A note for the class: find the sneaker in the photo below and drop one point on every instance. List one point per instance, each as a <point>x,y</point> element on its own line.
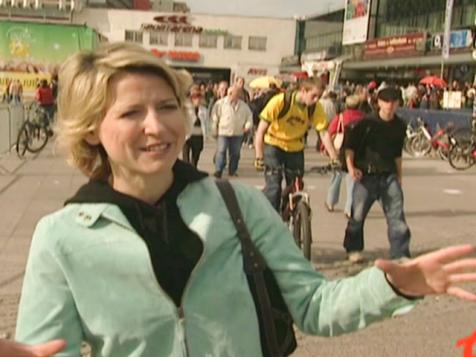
<point>355,257</point>
<point>217,174</point>
<point>233,175</point>
<point>347,215</point>
<point>328,207</point>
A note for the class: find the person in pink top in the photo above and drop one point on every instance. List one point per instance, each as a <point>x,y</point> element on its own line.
<point>350,116</point>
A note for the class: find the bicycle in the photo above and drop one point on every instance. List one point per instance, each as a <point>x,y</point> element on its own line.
<point>295,208</point>
<point>462,153</point>
<point>34,132</point>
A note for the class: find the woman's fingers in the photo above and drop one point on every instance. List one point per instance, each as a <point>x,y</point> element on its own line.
<point>461,293</point>
<point>449,254</point>
<point>460,266</point>
<point>462,278</point>
<point>49,348</point>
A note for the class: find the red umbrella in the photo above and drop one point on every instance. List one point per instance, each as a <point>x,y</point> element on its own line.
<point>434,80</point>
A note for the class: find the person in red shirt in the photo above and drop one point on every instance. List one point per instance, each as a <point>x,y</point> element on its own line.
<point>45,98</point>
<point>349,116</point>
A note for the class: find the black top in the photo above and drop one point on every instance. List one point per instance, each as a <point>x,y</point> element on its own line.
<point>376,144</point>
<point>174,249</point>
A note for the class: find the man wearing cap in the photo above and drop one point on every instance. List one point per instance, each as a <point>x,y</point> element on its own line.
<point>373,152</point>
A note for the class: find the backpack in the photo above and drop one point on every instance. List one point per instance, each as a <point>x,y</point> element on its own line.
<point>277,335</point>
<point>288,98</point>
<point>258,104</point>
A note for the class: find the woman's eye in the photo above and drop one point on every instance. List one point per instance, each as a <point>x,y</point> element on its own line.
<point>169,107</point>
<point>129,113</point>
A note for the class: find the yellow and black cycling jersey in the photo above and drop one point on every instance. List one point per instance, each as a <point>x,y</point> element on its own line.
<point>287,132</point>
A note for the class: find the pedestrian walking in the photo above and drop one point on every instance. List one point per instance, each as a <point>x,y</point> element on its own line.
<point>374,161</point>
<point>341,124</point>
<point>231,118</point>
<point>45,98</point>
<point>145,260</point>
<point>198,112</point>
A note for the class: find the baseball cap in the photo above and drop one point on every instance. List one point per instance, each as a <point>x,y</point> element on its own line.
<point>389,94</point>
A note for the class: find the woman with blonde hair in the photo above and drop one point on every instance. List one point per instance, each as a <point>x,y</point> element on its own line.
<point>144,260</point>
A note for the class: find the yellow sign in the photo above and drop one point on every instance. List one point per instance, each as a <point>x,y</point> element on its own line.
<point>28,81</point>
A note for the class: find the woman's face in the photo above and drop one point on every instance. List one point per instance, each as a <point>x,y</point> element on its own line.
<point>143,129</point>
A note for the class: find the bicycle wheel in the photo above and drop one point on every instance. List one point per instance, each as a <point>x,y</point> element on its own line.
<point>22,140</point>
<point>420,145</point>
<point>461,156</point>
<point>302,228</point>
<point>38,138</point>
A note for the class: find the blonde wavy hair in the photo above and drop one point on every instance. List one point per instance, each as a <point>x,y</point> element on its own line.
<point>84,98</point>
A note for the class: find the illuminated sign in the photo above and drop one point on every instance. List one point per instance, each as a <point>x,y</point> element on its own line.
<point>189,56</point>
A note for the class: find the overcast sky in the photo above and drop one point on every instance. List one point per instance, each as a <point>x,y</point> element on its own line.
<point>267,8</point>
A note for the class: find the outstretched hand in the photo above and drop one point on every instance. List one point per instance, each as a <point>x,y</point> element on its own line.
<point>15,349</point>
<point>437,272</point>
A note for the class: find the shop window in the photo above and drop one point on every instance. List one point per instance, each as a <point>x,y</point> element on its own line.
<point>208,40</point>
<point>257,43</point>
<point>469,15</point>
<point>158,38</point>
<point>183,39</point>
<point>133,36</point>
<point>233,42</point>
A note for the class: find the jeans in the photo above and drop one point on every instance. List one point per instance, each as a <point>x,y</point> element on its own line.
<point>232,144</point>
<point>334,190</point>
<point>274,160</point>
<point>192,149</point>
<point>387,189</point>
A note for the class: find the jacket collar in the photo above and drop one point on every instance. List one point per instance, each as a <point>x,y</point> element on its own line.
<point>98,199</point>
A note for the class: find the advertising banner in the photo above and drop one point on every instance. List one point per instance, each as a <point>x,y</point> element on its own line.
<point>445,51</point>
<point>356,21</point>
<point>457,39</point>
<point>395,46</point>
<point>31,51</point>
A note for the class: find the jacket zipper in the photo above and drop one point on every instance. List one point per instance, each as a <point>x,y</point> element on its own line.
<point>180,309</point>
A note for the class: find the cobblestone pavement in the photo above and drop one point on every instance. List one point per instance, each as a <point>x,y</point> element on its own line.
<point>440,209</point>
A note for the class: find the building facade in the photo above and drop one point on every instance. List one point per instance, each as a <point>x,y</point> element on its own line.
<point>399,40</point>
<point>211,47</point>
<point>405,38</point>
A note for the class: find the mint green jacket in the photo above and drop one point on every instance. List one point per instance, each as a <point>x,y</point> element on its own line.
<point>89,278</point>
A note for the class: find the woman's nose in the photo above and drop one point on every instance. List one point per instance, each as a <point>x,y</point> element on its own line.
<point>152,122</point>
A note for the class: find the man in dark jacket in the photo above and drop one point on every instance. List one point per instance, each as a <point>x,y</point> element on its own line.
<point>374,159</point>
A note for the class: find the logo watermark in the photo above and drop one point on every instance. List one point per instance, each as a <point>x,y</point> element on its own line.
<point>468,344</point>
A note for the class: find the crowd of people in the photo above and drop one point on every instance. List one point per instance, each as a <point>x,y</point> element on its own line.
<point>428,96</point>
<point>144,259</point>
<point>275,121</point>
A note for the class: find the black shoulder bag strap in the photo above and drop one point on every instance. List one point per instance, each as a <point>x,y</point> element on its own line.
<point>253,262</point>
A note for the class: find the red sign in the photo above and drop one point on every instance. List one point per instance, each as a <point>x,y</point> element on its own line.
<point>257,71</point>
<point>405,45</point>
<point>188,56</point>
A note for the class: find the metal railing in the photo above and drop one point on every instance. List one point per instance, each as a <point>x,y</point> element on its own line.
<point>11,118</point>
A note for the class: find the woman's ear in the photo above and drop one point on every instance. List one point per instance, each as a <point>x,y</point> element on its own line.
<point>92,138</point>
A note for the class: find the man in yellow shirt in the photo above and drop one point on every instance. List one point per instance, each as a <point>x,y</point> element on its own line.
<point>279,140</point>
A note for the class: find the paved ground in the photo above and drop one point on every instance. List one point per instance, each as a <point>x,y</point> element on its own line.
<point>440,206</point>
